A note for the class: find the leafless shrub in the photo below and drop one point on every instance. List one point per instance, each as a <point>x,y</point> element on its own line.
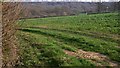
<point>10,13</point>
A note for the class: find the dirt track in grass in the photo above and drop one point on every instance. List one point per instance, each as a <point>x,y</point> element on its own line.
<point>96,58</point>
<point>103,36</point>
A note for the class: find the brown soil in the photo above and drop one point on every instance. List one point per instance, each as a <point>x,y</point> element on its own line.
<point>96,58</point>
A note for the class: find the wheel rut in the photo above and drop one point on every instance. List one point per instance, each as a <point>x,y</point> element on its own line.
<point>96,58</point>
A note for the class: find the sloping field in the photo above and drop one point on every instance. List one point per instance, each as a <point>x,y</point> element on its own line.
<point>82,40</point>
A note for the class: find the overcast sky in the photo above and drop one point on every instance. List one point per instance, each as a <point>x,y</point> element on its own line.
<point>78,0</point>
<point>64,0</point>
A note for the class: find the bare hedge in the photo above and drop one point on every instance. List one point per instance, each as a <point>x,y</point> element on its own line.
<point>10,14</point>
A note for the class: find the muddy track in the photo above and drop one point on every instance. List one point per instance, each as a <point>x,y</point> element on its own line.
<point>96,58</point>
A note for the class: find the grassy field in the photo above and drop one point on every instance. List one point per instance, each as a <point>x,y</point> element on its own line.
<point>70,40</point>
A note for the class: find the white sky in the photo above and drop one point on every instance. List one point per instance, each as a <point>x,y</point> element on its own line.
<point>62,0</point>
<point>75,0</point>
<point>78,0</point>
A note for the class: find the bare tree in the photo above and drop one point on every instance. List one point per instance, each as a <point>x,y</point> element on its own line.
<point>99,6</point>
<point>115,5</point>
<point>0,34</point>
<point>119,6</point>
<point>10,13</point>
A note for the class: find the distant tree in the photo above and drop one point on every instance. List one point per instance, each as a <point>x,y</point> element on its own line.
<point>99,6</point>
<point>115,5</point>
<point>119,6</point>
<point>84,8</point>
<point>65,10</point>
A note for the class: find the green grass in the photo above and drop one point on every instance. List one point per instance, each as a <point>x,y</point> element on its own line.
<point>43,40</point>
<point>97,22</point>
<point>46,53</point>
